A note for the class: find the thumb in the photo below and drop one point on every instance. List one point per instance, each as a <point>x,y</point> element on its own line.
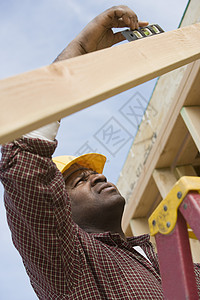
<point>118,37</point>
<point>143,23</point>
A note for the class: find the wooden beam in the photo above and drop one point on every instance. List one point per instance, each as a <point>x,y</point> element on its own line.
<point>140,226</point>
<point>191,117</point>
<point>184,90</point>
<point>165,180</point>
<point>39,97</point>
<point>187,170</point>
<point>181,151</point>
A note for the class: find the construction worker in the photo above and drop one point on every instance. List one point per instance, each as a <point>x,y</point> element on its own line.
<point>65,217</point>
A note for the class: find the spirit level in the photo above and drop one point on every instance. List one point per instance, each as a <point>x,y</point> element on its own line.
<point>132,35</point>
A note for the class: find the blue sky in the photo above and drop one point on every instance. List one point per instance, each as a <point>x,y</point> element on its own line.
<point>32,34</point>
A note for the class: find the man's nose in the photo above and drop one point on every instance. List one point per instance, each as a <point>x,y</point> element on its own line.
<point>95,178</point>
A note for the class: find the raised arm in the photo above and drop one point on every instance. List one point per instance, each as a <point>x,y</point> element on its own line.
<point>38,211</point>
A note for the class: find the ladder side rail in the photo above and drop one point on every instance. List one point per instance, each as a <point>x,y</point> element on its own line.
<point>190,209</point>
<point>175,260</point>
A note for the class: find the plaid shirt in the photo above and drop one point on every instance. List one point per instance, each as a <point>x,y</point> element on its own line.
<point>62,260</point>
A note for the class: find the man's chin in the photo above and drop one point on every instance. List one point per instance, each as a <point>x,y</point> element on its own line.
<point>116,199</point>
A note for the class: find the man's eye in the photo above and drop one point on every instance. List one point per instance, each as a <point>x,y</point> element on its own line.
<point>84,178</point>
<point>79,181</point>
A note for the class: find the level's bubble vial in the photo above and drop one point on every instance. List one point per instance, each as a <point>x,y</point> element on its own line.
<point>138,34</point>
<point>146,31</point>
<point>155,29</point>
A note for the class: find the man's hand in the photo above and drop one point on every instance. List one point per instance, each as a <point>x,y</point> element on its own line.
<point>98,33</point>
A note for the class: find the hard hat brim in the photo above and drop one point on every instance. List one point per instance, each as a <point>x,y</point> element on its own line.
<point>93,161</point>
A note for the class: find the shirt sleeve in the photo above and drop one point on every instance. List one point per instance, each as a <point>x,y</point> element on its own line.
<point>47,132</point>
<point>39,212</point>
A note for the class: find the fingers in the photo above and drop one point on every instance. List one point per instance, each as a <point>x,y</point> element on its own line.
<point>126,17</point>
<point>123,16</point>
<point>98,34</point>
<point>143,23</point>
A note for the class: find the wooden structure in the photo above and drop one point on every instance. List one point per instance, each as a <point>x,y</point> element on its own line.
<point>166,145</point>
<point>85,80</point>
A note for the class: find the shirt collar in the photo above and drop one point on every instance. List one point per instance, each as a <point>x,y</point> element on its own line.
<point>115,239</point>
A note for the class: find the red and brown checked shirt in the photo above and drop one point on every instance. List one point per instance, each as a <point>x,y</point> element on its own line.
<point>63,261</point>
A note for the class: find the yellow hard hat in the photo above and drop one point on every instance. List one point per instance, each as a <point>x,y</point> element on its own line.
<point>93,161</point>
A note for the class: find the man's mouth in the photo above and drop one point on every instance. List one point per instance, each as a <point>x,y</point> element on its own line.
<point>106,186</point>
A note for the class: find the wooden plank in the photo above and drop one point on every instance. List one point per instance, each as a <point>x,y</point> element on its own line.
<point>192,13</point>
<point>140,226</point>
<point>187,170</point>
<point>156,148</point>
<point>39,97</point>
<point>172,144</point>
<point>191,117</point>
<point>178,151</point>
<point>195,250</point>
<point>163,103</point>
<point>149,200</point>
<point>146,154</point>
<point>165,180</point>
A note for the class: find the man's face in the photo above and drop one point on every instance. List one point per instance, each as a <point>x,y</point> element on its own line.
<point>93,199</point>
